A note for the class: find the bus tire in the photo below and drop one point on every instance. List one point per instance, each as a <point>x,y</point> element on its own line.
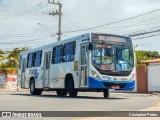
<point>106,93</point>
<point>62,92</point>
<point>33,90</point>
<point>70,88</point>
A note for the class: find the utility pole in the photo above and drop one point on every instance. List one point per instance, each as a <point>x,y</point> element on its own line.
<point>59,13</point>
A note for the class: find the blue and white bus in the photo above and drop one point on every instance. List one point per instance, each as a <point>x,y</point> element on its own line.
<point>89,62</point>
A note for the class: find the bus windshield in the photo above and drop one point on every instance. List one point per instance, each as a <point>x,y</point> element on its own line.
<point>103,56</point>
<point>124,58</point>
<point>112,57</point>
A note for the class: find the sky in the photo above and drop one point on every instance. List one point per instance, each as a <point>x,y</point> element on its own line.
<point>26,23</point>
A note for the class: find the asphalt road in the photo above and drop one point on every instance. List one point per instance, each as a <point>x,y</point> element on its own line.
<point>49,101</point>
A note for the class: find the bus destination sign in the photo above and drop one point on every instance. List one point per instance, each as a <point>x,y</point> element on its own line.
<point>110,38</point>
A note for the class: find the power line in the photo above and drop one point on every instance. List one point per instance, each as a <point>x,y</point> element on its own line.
<point>21,36</point>
<point>73,21</point>
<point>140,31</point>
<point>35,7</point>
<point>17,42</point>
<point>146,37</point>
<point>123,20</point>
<point>23,11</point>
<point>144,33</point>
<point>126,26</point>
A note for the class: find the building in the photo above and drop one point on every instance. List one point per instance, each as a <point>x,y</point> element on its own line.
<point>148,77</point>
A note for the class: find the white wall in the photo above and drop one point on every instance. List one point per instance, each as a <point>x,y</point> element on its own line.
<point>154,77</point>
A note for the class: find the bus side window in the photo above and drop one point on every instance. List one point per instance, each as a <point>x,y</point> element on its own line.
<point>87,50</point>
<point>74,49</point>
<point>37,58</point>
<point>61,54</point>
<point>69,52</point>
<point>29,60</point>
<point>57,54</point>
<point>53,55</point>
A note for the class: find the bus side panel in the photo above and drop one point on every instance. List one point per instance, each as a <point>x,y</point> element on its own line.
<point>28,76</point>
<point>38,72</point>
<point>59,72</point>
<point>38,77</point>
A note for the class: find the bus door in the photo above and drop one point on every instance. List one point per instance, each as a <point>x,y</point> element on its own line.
<point>46,69</point>
<point>84,65</point>
<point>23,77</point>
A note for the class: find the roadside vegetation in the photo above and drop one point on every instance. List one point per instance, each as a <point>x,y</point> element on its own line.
<point>145,55</point>
<point>9,60</point>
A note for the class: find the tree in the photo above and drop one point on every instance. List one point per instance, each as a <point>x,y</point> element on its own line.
<point>145,55</point>
<point>1,56</point>
<point>12,58</point>
<point>1,51</point>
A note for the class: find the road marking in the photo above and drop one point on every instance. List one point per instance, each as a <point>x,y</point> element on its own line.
<point>154,108</point>
<point>85,118</point>
<point>158,104</point>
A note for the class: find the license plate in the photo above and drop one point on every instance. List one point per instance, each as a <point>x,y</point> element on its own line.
<point>115,87</point>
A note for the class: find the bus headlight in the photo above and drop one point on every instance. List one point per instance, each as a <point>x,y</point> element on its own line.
<point>94,74</point>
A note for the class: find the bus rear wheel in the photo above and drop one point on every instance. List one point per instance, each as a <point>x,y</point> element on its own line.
<point>106,93</point>
<point>33,90</point>
<point>62,92</point>
<point>70,88</point>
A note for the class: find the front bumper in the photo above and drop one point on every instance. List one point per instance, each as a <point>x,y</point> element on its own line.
<point>102,84</point>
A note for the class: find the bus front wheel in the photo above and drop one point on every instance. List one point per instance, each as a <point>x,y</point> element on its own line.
<point>106,93</point>
<point>33,90</point>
